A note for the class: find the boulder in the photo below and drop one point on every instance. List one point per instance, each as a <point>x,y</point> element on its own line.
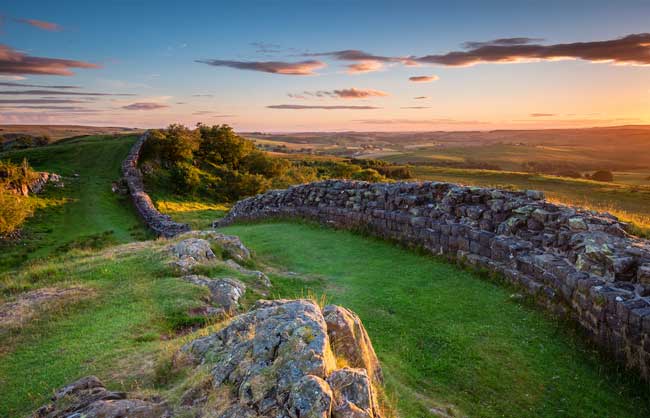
<point>277,360</point>
<point>190,253</point>
<point>224,292</point>
<point>351,341</point>
<point>231,244</point>
<point>88,398</point>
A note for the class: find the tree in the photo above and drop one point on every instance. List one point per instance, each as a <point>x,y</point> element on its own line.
<point>173,145</point>
<point>220,145</point>
<point>14,209</point>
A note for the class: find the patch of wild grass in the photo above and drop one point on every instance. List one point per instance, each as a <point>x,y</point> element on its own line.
<point>448,339</point>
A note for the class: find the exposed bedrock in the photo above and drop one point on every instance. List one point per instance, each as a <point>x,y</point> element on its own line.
<point>576,262</point>
<point>161,224</point>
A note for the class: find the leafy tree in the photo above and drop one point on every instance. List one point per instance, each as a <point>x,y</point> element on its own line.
<point>173,145</point>
<point>220,145</point>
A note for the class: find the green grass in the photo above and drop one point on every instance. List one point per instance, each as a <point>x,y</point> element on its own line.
<point>85,208</point>
<point>112,334</point>
<point>445,336</point>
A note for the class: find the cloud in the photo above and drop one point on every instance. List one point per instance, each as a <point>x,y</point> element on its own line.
<point>297,107</point>
<point>12,84</point>
<point>13,62</point>
<point>421,97</point>
<point>632,49</point>
<point>52,27</point>
<point>351,93</point>
<point>364,67</point>
<point>274,67</point>
<point>37,101</point>
<point>424,78</point>
<point>365,61</point>
<point>62,108</point>
<point>145,106</point>
<point>58,93</point>
<point>502,42</point>
<point>441,121</point>
<point>541,115</point>
<point>415,107</point>
<point>203,95</point>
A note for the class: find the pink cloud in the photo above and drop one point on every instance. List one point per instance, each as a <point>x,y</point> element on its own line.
<point>364,67</point>
<point>13,62</point>
<point>275,67</point>
<point>52,27</point>
<point>145,106</point>
<point>424,78</point>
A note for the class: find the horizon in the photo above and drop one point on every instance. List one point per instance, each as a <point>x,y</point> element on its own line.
<point>284,67</point>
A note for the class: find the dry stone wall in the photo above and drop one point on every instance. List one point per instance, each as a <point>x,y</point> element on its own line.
<point>577,263</point>
<point>161,224</point>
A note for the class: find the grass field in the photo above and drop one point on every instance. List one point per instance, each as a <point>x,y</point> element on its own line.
<point>84,212</point>
<point>447,337</point>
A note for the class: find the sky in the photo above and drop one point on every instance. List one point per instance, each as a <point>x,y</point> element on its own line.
<point>284,66</point>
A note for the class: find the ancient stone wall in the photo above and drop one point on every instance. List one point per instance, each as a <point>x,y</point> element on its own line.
<point>577,263</point>
<point>159,223</point>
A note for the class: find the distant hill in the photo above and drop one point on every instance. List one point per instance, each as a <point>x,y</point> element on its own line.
<point>56,132</point>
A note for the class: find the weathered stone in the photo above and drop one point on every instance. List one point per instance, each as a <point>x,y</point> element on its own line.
<point>190,253</point>
<point>87,397</point>
<point>351,341</point>
<point>278,359</point>
<point>225,292</point>
<point>353,394</point>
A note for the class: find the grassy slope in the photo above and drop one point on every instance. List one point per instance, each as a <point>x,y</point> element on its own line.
<point>446,336</point>
<point>84,207</point>
<point>115,334</point>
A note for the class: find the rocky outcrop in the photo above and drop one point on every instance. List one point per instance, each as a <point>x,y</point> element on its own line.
<point>231,245</point>
<point>576,262</point>
<point>161,224</point>
<point>224,293</point>
<point>191,252</point>
<point>278,360</point>
<point>87,397</point>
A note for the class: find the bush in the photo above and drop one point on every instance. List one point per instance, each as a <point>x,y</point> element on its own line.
<point>14,209</point>
<point>185,177</point>
<point>368,174</point>
<point>173,145</point>
<point>220,145</point>
<point>603,175</point>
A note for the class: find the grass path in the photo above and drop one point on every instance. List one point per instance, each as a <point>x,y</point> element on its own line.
<point>86,211</point>
<point>446,336</point>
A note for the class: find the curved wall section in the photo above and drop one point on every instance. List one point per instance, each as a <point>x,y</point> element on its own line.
<point>161,224</point>
<point>577,263</point>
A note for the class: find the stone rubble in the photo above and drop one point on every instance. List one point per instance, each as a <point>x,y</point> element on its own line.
<point>576,262</point>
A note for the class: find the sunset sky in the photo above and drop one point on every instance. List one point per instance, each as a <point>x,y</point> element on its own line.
<point>310,66</point>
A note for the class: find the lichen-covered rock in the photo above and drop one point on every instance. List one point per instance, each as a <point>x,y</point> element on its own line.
<point>88,398</point>
<point>262,278</point>
<point>351,341</point>
<point>190,253</point>
<point>230,244</point>
<point>353,394</point>
<point>224,292</point>
<point>276,360</point>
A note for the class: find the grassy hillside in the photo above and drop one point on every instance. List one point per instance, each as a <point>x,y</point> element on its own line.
<point>83,213</point>
<point>447,339</point>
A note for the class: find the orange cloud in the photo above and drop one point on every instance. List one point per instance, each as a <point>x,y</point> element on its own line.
<point>274,67</point>
<point>13,62</point>
<point>364,67</point>
<point>302,107</point>
<point>52,27</point>
<point>351,93</point>
<point>424,78</point>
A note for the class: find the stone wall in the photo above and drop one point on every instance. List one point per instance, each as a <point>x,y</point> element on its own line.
<point>161,224</point>
<point>577,263</point>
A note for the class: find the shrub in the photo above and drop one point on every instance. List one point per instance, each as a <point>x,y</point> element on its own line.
<point>220,145</point>
<point>368,174</point>
<point>603,175</point>
<point>14,209</point>
<point>185,177</point>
